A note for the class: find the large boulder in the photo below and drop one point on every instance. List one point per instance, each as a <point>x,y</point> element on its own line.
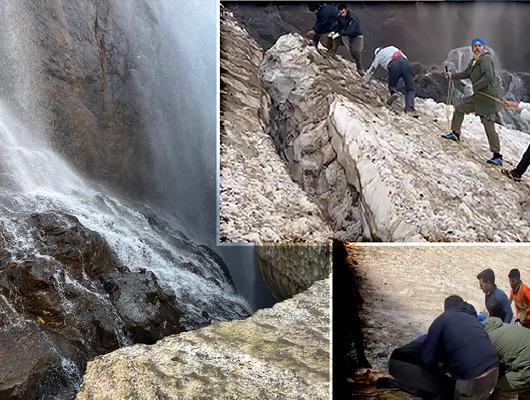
<point>64,291</point>
<point>278,353</point>
<point>259,200</point>
<point>410,184</point>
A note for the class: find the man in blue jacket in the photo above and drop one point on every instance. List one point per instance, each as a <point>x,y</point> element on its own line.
<point>349,29</point>
<point>497,302</point>
<point>327,18</point>
<point>456,358</point>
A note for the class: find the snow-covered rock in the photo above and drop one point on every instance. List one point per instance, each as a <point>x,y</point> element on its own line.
<point>258,199</point>
<point>396,173</point>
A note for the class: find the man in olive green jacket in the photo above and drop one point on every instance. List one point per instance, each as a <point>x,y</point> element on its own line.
<point>481,72</point>
<point>512,344</point>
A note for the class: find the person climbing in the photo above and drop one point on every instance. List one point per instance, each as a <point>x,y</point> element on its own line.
<point>349,29</point>
<point>396,62</point>
<point>327,16</point>
<point>455,359</point>
<point>512,345</point>
<point>517,173</point>
<point>520,295</point>
<point>483,102</point>
<point>496,301</point>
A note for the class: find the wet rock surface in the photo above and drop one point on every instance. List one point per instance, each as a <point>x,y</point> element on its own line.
<point>79,63</point>
<point>68,298</point>
<point>288,269</point>
<point>278,353</point>
<point>259,200</point>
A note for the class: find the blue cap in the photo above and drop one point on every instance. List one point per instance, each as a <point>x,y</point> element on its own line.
<point>481,317</point>
<point>478,40</point>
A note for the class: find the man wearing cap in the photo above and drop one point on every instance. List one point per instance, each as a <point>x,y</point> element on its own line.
<point>395,61</point>
<point>481,72</point>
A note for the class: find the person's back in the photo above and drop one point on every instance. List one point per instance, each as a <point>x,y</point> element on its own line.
<point>327,19</point>
<point>457,339</point>
<point>512,344</point>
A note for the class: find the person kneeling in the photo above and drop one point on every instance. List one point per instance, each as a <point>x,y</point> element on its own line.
<point>455,359</point>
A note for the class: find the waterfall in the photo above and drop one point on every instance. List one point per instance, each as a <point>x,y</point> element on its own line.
<point>33,178</point>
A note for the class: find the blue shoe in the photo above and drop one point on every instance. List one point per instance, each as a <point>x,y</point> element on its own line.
<point>451,136</point>
<point>495,161</point>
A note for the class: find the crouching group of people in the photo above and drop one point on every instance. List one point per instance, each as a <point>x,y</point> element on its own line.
<point>465,355</point>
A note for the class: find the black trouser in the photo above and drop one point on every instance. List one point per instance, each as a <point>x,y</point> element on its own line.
<point>401,68</point>
<point>405,366</point>
<point>524,163</point>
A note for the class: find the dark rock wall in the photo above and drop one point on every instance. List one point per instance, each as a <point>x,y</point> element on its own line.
<point>68,68</point>
<point>425,31</point>
<point>66,298</point>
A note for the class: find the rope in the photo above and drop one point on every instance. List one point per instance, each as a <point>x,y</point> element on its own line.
<point>492,97</point>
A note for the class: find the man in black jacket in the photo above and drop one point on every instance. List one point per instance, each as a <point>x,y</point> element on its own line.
<point>327,18</point>
<point>455,359</point>
<point>349,29</point>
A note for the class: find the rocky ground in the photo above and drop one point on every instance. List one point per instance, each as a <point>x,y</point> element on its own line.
<point>258,199</point>
<point>278,353</point>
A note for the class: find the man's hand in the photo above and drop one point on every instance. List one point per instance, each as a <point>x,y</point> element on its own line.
<point>310,34</point>
<point>447,76</point>
<point>511,104</point>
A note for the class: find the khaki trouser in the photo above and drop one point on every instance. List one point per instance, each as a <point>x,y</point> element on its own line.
<point>356,46</point>
<point>467,106</point>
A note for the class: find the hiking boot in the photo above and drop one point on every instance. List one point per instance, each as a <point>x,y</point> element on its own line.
<point>511,174</point>
<point>392,99</point>
<point>412,112</point>
<point>455,137</point>
<point>495,160</point>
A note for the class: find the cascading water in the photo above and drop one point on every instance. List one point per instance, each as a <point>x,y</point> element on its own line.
<point>34,179</point>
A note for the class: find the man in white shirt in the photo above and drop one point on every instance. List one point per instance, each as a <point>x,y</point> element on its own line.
<point>517,173</point>
<point>398,66</point>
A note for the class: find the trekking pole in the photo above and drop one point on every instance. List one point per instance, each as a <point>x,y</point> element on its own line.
<point>449,94</point>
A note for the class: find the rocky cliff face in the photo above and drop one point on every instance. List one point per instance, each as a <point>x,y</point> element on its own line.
<point>66,298</point>
<point>278,353</point>
<point>259,201</point>
<point>288,269</point>
<point>76,80</point>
